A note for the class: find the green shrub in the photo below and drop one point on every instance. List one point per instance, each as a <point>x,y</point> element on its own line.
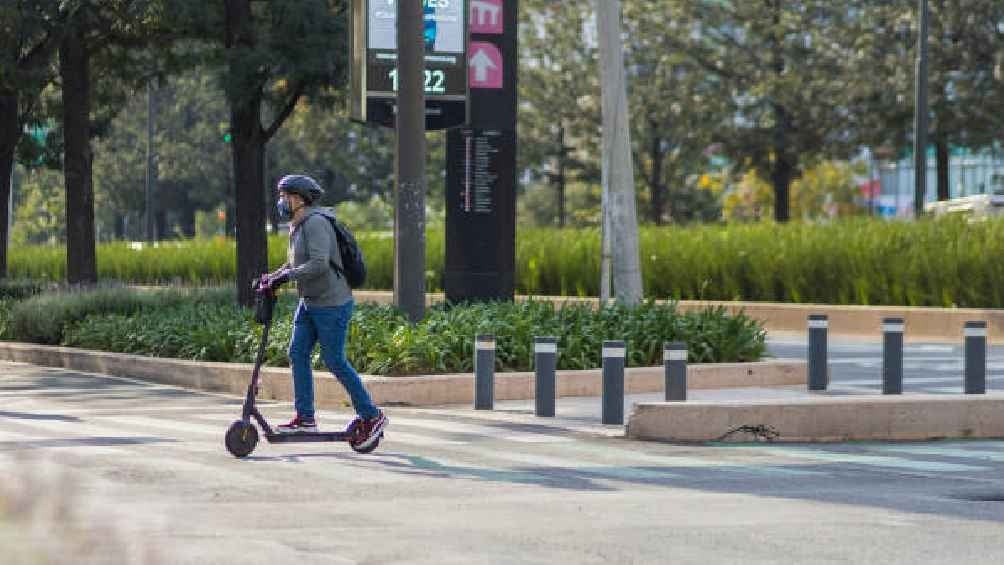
<point>19,289</point>
<point>383,342</point>
<point>45,317</point>
<point>204,332</point>
<point>946,262</point>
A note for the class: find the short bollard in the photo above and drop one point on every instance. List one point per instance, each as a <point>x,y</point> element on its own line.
<point>976,357</point>
<point>892,355</point>
<point>545,361</point>
<point>484,372</point>
<point>674,358</point>
<point>613,382</point>
<point>818,379</point>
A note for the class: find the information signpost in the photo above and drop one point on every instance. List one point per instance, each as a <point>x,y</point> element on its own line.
<point>481,164</point>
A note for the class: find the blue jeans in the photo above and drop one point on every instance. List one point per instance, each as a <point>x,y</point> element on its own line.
<point>330,326</point>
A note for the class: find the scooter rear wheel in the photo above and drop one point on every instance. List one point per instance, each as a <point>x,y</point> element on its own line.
<point>241,438</point>
<point>364,450</point>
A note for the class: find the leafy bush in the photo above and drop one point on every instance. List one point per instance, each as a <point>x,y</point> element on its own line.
<point>204,332</point>
<point>383,342</point>
<point>19,289</point>
<point>44,317</point>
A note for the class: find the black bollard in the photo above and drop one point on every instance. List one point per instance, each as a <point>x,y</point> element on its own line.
<point>674,358</point>
<point>545,360</point>
<point>818,379</point>
<point>613,382</point>
<point>484,372</point>
<point>892,355</point>
<point>975,334</point>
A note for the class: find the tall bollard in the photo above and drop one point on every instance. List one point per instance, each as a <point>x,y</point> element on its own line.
<point>674,358</point>
<point>484,372</point>
<point>818,379</point>
<point>892,355</point>
<point>545,360</point>
<point>976,357</point>
<point>613,382</point>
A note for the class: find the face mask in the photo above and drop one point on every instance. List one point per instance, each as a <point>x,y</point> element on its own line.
<point>285,213</point>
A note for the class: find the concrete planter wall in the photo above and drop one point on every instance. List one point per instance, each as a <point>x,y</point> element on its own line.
<point>418,390</point>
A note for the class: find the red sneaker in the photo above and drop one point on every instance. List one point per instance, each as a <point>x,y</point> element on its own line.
<point>297,425</point>
<point>369,430</point>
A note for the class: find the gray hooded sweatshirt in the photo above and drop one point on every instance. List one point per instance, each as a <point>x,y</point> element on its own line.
<point>313,246</point>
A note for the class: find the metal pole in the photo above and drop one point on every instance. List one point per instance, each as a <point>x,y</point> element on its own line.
<point>975,335</point>
<point>818,324</point>
<point>617,166</point>
<point>149,217</point>
<point>484,372</point>
<point>409,212</point>
<point>545,361</point>
<point>674,358</point>
<point>892,355</point>
<point>613,382</point>
<point>920,113</point>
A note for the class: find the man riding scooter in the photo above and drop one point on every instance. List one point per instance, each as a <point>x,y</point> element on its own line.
<point>324,311</point>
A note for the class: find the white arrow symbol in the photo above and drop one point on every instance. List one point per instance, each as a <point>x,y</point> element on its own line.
<point>482,63</point>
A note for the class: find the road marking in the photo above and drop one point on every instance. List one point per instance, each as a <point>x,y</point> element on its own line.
<point>945,451</point>
<point>872,460</point>
<point>393,437</point>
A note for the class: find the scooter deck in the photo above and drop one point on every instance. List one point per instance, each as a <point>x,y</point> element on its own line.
<point>307,437</point>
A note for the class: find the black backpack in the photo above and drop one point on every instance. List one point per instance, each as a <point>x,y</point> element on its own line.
<point>353,263</point>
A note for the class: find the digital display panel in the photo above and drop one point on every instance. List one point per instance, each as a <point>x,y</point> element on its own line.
<point>445,33</point>
<point>373,72</point>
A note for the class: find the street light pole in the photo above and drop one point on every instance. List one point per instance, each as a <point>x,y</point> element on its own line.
<point>409,213</point>
<point>920,114</point>
<point>151,164</point>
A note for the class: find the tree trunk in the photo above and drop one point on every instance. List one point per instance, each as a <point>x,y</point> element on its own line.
<point>120,227</point>
<point>559,178</point>
<point>941,152</point>
<point>252,243</point>
<point>655,184</point>
<point>781,176</point>
<point>74,70</point>
<point>10,133</point>
<point>186,214</point>
<point>271,192</point>
<point>783,169</point>
<point>248,157</point>
<point>160,224</point>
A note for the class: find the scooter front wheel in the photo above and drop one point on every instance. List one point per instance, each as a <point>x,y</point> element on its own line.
<point>241,438</point>
<point>368,449</point>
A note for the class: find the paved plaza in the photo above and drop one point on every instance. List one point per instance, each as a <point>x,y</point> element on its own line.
<point>147,475</point>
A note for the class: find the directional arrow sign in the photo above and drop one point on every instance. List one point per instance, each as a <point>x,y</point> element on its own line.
<point>485,65</point>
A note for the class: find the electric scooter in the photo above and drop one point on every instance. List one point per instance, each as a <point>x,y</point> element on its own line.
<point>242,436</point>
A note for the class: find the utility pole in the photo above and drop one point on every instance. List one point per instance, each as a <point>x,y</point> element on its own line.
<point>618,171</point>
<point>920,114</point>
<point>151,165</point>
<point>409,213</point>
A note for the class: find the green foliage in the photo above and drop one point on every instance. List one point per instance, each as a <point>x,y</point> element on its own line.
<point>45,318</point>
<point>19,289</point>
<point>947,262</point>
<point>40,216</point>
<point>194,325</point>
<point>198,331</point>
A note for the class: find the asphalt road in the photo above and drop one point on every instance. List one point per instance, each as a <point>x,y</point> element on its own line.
<point>105,470</point>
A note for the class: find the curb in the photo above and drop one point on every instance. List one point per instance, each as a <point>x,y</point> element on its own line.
<point>822,419</point>
<point>418,390</point>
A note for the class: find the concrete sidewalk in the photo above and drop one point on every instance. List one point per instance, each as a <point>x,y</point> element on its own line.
<point>852,408</point>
